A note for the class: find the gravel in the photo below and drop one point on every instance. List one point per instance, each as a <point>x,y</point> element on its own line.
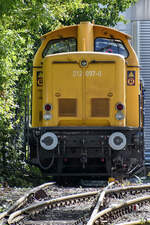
<point>68,214</point>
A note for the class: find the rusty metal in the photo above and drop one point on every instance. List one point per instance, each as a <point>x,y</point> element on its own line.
<point>96,217</point>
<point>21,201</point>
<point>141,222</point>
<point>99,203</point>
<point>20,214</point>
<point>121,209</point>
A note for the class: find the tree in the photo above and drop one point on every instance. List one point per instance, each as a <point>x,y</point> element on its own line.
<point>104,12</point>
<point>21,24</point>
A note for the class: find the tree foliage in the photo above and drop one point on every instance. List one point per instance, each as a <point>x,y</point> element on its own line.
<point>104,12</point>
<point>21,24</point>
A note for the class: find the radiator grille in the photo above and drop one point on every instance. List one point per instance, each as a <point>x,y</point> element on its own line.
<point>67,107</point>
<point>100,107</point>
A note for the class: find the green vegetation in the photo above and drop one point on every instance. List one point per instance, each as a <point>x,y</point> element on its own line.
<point>22,22</point>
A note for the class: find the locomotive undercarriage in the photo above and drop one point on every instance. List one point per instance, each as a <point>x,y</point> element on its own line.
<point>86,151</point>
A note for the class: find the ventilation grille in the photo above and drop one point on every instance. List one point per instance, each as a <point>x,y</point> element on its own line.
<point>67,107</point>
<point>100,107</point>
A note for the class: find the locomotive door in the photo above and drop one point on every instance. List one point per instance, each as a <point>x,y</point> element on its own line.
<point>67,93</point>
<point>99,92</point>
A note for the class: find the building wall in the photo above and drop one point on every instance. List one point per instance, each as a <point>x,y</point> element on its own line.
<point>144,59</point>
<point>141,11</point>
<point>139,28</point>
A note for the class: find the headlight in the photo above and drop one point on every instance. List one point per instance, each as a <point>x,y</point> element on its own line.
<point>119,116</point>
<point>84,63</point>
<point>47,116</point>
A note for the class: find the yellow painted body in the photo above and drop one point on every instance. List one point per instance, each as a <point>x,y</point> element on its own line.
<point>59,79</point>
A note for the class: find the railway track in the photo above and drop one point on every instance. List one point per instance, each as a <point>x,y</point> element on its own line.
<point>111,205</point>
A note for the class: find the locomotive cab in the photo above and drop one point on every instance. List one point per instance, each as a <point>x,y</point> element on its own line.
<point>86,103</point>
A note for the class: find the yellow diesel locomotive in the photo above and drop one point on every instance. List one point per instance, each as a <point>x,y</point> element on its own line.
<point>87,103</point>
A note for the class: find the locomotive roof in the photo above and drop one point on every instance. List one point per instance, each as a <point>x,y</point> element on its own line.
<point>111,31</point>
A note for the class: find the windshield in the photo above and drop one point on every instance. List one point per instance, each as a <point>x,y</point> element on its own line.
<point>60,45</point>
<point>110,46</point>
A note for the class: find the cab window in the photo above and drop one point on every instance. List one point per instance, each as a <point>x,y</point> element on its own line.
<point>60,45</point>
<point>110,46</point>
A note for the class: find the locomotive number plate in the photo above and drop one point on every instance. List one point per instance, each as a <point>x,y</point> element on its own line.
<point>88,73</point>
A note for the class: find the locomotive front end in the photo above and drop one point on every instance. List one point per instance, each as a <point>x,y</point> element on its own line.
<point>82,124</point>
